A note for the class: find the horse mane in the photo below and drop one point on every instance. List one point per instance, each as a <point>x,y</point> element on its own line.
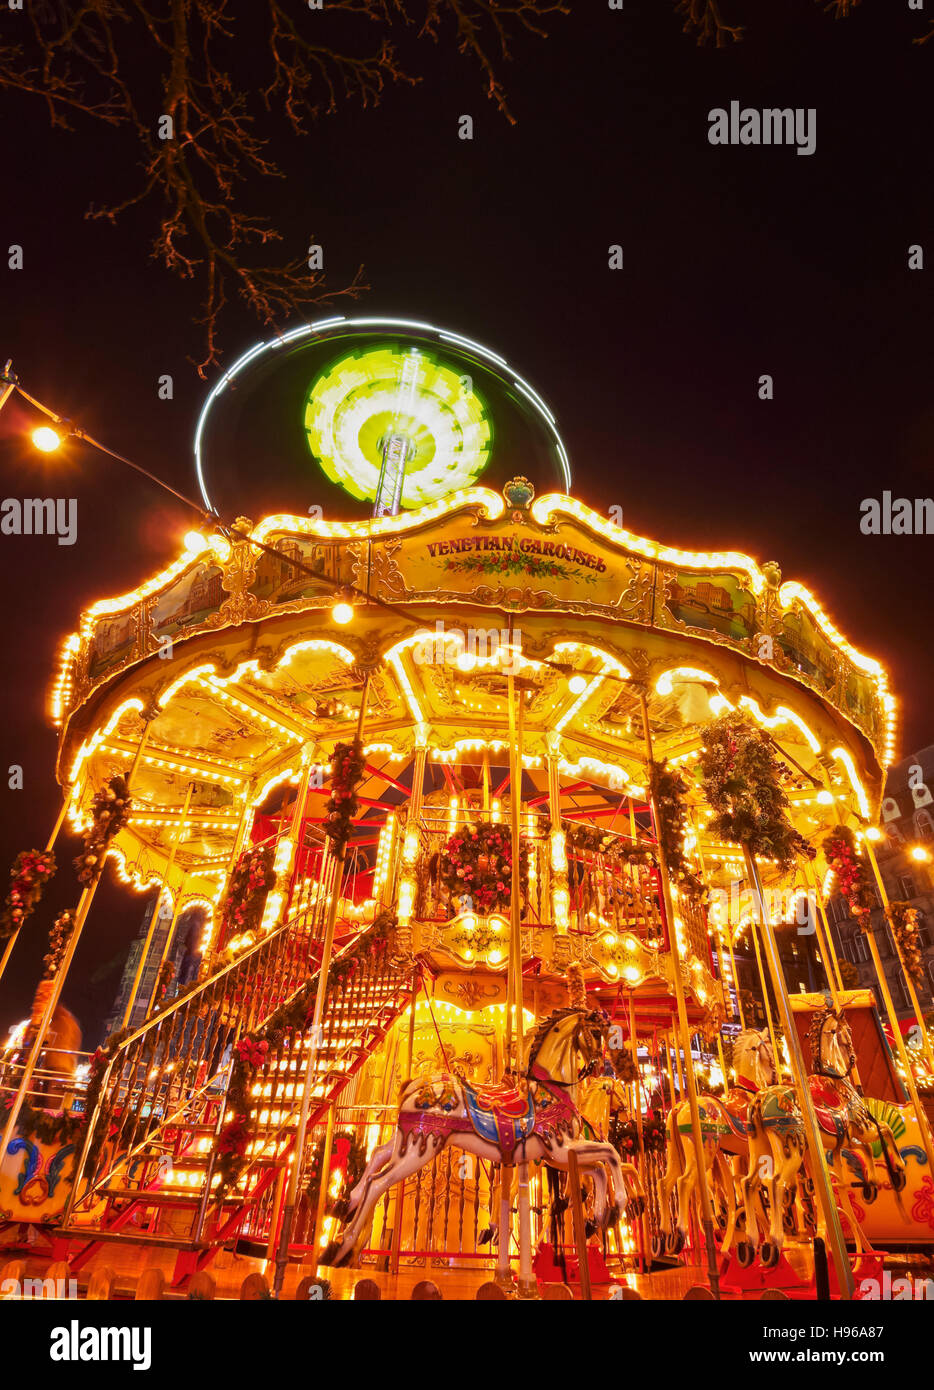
<point>543,1029</point>
<point>815,1033</point>
<point>815,1036</point>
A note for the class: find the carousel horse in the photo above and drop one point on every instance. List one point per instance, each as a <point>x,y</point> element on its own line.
<point>756,1121</point>
<point>844,1117</point>
<point>499,1124</point>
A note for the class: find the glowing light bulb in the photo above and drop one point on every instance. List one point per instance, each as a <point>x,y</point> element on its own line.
<point>577,685</point>
<point>919,853</point>
<point>46,439</point>
<point>342,612</point>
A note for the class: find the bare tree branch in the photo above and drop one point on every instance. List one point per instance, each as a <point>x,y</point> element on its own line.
<point>173,73</point>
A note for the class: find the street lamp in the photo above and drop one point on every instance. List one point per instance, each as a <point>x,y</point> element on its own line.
<point>45,439</point>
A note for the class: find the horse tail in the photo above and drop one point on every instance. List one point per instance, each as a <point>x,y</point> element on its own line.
<point>887,1159</point>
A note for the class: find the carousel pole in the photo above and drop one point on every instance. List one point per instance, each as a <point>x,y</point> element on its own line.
<point>154,920</point>
<point>909,983</point>
<point>683,1027</point>
<point>763,980</point>
<point>50,845</point>
<point>327,950</point>
<point>240,835</point>
<point>527,1285</point>
<point>825,936</point>
<point>81,913</point>
<point>739,1002</point>
<point>920,1113</point>
<point>812,1135</point>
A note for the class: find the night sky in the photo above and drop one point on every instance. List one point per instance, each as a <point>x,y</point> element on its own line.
<point>738,262</point>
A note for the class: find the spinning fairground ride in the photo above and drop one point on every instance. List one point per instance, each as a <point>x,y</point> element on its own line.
<point>475,790</point>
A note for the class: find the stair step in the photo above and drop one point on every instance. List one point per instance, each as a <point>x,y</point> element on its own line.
<point>132,1236</point>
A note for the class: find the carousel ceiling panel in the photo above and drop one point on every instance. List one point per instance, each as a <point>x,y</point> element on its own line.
<point>212,724</point>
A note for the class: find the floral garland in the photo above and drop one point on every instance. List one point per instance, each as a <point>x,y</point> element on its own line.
<point>61,1128</point>
<point>251,880</point>
<point>350,1156</point>
<point>590,839</point>
<point>669,789</point>
<point>60,934</point>
<point>852,873</point>
<point>904,920</point>
<point>476,865</point>
<point>624,1136</point>
<point>741,780</point>
<point>44,1125</point>
<point>109,811</point>
<point>347,765</point>
<point>29,875</point>
<point>165,978</point>
<point>250,1051</point>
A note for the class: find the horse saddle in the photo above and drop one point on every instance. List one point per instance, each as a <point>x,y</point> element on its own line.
<point>830,1105</point>
<point>500,1114</point>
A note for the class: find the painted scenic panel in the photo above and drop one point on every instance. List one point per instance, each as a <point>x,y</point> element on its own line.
<point>188,601</point>
<point>113,642</point>
<point>278,581</point>
<point>711,602</point>
<point>807,648</point>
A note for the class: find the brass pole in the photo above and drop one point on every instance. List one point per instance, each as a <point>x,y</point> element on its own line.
<point>154,920</point>
<point>323,1184</point>
<point>527,1285</point>
<point>81,913</point>
<point>327,950</point>
<point>50,843</point>
<point>812,1135</point>
<point>909,983</point>
<point>763,980</point>
<point>684,1029</point>
<point>514,973</point>
<point>739,1001</point>
<point>828,952</point>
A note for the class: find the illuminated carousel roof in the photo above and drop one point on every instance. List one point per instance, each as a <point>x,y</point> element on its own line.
<point>237,653</point>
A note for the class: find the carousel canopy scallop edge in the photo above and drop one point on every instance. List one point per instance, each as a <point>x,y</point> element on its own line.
<point>226,678</point>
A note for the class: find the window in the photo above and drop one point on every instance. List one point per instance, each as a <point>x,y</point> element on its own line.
<point>924,826</point>
<point>860,949</point>
<point>924,931</point>
<point>903,998</point>
<point>906,886</point>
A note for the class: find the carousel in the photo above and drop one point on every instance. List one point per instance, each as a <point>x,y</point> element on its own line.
<point>476,792</point>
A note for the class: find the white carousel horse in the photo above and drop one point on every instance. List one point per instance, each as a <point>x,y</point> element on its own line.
<point>504,1126</point>
<point>845,1118</point>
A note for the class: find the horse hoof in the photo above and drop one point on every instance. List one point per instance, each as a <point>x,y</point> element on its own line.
<point>635,1206</point>
<point>658,1247</point>
<point>676,1243</point>
<point>899,1180</point>
<point>769,1254</point>
<point>870,1191</point>
<point>329,1255</point>
<point>745,1254</point>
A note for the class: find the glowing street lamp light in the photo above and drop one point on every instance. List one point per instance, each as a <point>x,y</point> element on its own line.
<point>919,853</point>
<point>45,439</point>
